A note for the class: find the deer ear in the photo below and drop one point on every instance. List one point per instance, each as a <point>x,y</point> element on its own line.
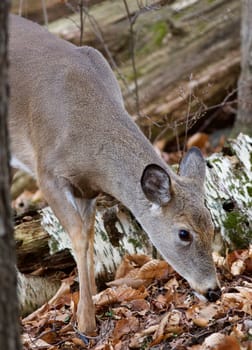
<point>193,165</point>
<point>156,184</point>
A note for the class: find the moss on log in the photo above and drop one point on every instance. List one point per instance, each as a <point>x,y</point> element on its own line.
<point>229,192</point>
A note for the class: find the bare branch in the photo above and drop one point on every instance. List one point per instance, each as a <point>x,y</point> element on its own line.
<point>132,53</point>
<point>82,21</point>
<point>44,12</point>
<point>20,9</point>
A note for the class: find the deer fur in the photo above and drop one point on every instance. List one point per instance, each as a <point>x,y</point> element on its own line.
<point>69,128</point>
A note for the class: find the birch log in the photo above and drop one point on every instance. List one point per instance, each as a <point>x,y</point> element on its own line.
<point>229,192</point>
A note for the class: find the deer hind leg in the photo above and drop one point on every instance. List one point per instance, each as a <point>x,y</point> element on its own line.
<point>77,217</point>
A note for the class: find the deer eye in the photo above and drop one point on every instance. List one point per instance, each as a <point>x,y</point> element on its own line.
<point>185,236</point>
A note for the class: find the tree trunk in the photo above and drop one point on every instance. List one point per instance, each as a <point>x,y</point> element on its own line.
<point>244,116</point>
<point>9,327</point>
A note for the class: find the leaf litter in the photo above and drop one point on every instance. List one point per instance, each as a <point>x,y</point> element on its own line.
<point>149,306</point>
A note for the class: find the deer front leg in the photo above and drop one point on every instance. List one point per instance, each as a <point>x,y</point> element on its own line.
<point>85,310</point>
<point>77,217</point>
<point>91,268</point>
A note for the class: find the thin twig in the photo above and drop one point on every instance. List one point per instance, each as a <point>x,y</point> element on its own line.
<point>20,8</point>
<point>82,21</point>
<point>187,117</point>
<point>132,53</point>
<point>99,34</point>
<point>177,136</point>
<point>44,12</point>
<point>192,118</point>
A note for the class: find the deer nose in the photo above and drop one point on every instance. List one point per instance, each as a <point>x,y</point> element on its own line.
<point>213,294</point>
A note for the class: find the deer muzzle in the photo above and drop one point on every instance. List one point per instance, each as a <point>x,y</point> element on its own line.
<point>213,294</point>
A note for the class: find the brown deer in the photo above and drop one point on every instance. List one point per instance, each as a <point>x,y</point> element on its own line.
<point>69,128</point>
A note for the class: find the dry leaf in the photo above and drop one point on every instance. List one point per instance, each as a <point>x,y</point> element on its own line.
<point>154,269</point>
<point>131,275</point>
<point>172,284</point>
<point>199,139</point>
<point>219,260</point>
<point>125,326</point>
<point>240,300</point>
<point>49,336</point>
<point>218,341</point>
<point>104,347</point>
<point>168,326</point>
<point>129,264</point>
<point>121,311</point>
<point>201,314</point>
<point>141,306</point>
<point>238,267</point>
<point>118,294</point>
<point>124,268</point>
<point>106,297</point>
<point>125,293</point>
<point>138,338</point>
<point>77,341</point>
<point>162,301</point>
<point>129,281</point>
<point>237,260</point>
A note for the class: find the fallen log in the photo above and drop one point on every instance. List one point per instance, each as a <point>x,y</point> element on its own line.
<point>187,57</point>
<point>34,291</point>
<point>42,244</point>
<point>229,193</point>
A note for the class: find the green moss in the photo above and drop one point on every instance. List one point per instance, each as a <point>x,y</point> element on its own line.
<point>159,30</point>
<point>177,15</point>
<point>154,36</point>
<point>233,219</point>
<point>130,76</point>
<point>146,343</point>
<point>238,230</point>
<point>136,243</point>
<point>109,313</point>
<point>202,26</point>
<point>54,245</point>
<point>104,236</point>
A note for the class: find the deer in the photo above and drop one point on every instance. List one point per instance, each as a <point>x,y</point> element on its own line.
<point>69,128</point>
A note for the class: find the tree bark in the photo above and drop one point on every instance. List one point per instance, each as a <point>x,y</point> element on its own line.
<point>9,327</point>
<point>229,192</point>
<point>244,115</point>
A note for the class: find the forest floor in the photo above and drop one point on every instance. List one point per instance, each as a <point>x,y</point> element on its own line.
<point>152,307</point>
